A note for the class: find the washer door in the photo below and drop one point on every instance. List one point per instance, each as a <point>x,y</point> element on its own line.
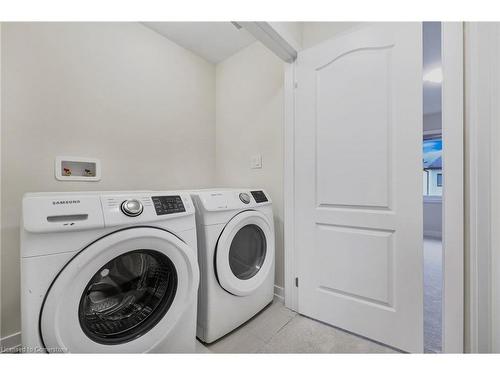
<point>245,253</point>
<point>123,293</point>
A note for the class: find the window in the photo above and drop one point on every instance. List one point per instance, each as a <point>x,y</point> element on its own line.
<point>439,179</point>
<point>432,165</point>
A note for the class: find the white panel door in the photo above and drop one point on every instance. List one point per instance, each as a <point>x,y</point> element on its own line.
<point>358,183</point>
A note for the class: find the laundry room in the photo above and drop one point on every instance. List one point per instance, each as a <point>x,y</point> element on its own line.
<point>249,187</point>
<point>152,113</point>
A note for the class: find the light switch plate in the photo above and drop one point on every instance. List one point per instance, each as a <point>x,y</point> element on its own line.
<point>256,161</point>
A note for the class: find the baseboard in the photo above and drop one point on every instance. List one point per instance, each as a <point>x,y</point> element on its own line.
<point>279,292</point>
<point>10,343</point>
<point>433,234</point>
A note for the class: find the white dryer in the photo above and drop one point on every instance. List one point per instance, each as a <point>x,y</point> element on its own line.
<point>236,258</point>
<point>110,272</point>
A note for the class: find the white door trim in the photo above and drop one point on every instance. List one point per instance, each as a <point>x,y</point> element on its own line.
<point>0,180</point>
<point>453,207</point>
<point>291,292</point>
<point>453,309</point>
<point>479,49</point>
<point>495,186</point>
<point>482,312</point>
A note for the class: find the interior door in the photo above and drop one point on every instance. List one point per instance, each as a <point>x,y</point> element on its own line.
<point>358,183</point>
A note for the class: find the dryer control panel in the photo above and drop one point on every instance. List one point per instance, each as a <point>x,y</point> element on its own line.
<point>259,196</point>
<point>224,200</point>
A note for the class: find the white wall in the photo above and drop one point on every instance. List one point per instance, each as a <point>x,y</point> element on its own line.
<point>316,32</point>
<point>116,91</point>
<point>249,102</point>
<point>302,35</point>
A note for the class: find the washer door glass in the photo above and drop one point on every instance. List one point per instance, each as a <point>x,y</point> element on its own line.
<point>247,252</point>
<point>127,296</point>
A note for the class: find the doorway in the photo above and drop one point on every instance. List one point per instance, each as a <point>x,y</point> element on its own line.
<point>432,186</point>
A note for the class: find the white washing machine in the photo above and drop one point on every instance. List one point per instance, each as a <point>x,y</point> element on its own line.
<point>110,272</point>
<point>236,258</point>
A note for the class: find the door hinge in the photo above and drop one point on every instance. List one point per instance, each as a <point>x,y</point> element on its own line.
<point>297,282</point>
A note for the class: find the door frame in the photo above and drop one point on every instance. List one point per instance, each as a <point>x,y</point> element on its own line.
<point>453,210</point>
<point>482,79</point>
<point>453,192</point>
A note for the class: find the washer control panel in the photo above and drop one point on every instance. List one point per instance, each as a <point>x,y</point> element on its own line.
<point>135,207</point>
<point>169,204</point>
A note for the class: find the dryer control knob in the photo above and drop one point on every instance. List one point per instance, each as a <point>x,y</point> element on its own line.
<point>245,198</point>
<point>132,207</point>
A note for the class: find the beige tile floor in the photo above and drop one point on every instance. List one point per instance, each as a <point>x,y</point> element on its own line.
<point>279,330</point>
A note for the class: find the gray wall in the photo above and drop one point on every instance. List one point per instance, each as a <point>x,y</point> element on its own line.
<point>115,91</point>
<point>432,121</point>
<point>433,218</point>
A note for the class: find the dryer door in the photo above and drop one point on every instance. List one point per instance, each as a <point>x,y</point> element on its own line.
<point>123,293</point>
<point>245,253</point>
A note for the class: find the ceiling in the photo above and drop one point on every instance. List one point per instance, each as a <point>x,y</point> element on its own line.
<point>214,41</point>
<point>431,60</point>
